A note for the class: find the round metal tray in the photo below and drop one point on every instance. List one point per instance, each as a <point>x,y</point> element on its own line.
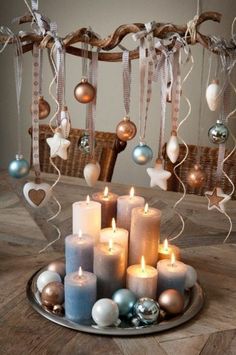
<point>194,300</point>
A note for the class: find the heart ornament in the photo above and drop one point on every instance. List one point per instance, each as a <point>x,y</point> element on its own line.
<point>37,194</point>
<point>91,173</point>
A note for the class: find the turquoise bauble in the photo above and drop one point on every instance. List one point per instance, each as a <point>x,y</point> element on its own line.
<point>125,300</point>
<point>19,167</point>
<point>218,133</point>
<point>142,154</point>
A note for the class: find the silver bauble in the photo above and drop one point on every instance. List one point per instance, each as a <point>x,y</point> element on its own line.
<point>147,310</point>
<point>84,143</point>
<point>218,133</point>
<point>142,154</point>
<point>19,167</point>
<point>125,300</point>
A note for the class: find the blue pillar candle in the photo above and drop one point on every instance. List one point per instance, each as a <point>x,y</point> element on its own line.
<point>79,252</point>
<point>80,295</point>
<point>171,274</point>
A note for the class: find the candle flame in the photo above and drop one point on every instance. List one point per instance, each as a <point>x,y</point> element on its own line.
<point>172,259</point>
<point>143,264</point>
<point>146,208</point>
<point>80,272</point>
<point>87,199</point>
<point>80,233</point>
<point>165,245</point>
<point>113,225</point>
<point>106,192</point>
<point>110,244</point>
<point>131,193</point>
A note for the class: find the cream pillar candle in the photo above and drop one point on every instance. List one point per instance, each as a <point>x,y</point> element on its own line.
<point>118,235</point>
<point>171,274</point>
<point>165,250</point>
<point>142,280</point>
<point>109,267</point>
<point>144,235</point>
<point>87,217</point>
<point>108,202</point>
<point>125,204</point>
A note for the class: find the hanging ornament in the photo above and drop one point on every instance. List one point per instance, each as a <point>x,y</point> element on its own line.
<point>172,147</point>
<point>58,145</point>
<point>65,125</point>
<point>105,312</point>
<point>213,95</point>
<point>171,301</point>
<point>125,300</point>
<point>158,175</point>
<point>218,133</point>
<point>147,310</point>
<point>142,154</point>
<point>19,167</point>
<point>91,173</point>
<point>168,92</point>
<point>217,199</point>
<point>126,129</point>
<point>84,92</point>
<point>44,108</point>
<point>83,143</point>
<point>196,177</point>
<point>37,193</point>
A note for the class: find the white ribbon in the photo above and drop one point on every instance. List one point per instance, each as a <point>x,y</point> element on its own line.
<point>126,81</point>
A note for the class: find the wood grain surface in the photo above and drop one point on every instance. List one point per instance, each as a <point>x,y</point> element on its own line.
<point>23,232</point>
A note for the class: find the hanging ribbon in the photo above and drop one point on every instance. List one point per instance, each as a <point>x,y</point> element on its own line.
<point>126,81</point>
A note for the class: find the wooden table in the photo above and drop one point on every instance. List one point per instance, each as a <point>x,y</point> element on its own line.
<point>24,231</point>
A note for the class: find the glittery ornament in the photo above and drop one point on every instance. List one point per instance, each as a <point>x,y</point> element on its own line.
<point>83,143</point>
<point>19,167</point>
<point>218,133</point>
<point>84,92</point>
<point>171,301</point>
<point>142,154</point>
<point>147,310</point>
<point>196,177</point>
<point>125,300</point>
<point>53,294</point>
<point>126,129</point>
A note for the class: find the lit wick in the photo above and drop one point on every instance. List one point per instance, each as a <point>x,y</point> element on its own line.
<point>165,245</point>
<point>146,208</point>
<point>172,260</point>
<point>113,225</point>
<point>80,272</point>
<point>143,265</point>
<point>131,193</point>
<point>110,245</point>
<point>105,193</point>
<point>87,199</point>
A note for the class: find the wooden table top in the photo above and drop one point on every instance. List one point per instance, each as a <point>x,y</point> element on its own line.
<point>24,231</point>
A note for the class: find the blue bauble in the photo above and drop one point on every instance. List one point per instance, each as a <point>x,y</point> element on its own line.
<point>142,154</point>
<point>125,300</point>
<point>19,167</point>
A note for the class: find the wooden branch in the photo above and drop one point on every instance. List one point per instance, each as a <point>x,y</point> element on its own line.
<point>161,31</point>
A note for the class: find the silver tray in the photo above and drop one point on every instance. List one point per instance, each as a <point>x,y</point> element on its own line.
<point>194,300</point>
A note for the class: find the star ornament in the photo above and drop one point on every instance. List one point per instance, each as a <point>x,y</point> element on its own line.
<point>217,199</point>
<point>159,176</point>
<point>58,145</point>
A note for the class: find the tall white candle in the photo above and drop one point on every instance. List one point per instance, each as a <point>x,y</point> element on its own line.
<point>87,217</point>
<point>125,204</point>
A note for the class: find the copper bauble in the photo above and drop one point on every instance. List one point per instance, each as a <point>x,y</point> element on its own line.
<point>44,108</point>
<point>59,267</point>
<point>196,177</point>
<point>52,294</point>
<point>84,92</point>
<point>126,130</point>
<point>171,301</point>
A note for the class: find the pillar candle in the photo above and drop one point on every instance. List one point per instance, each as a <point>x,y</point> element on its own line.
<point>118,235</point>
<point>108,202</point>
<point>109,267</point>
<point>144,235</point>
<point>79,252</point>
<point>87,217</point>
<point>80,295</point>
<point>142,280</point>
<point>125,204</point>
<point>171,274</point>
<point>165,250</point>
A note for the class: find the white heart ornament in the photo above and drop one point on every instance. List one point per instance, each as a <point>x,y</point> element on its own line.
<point>172,148</point>
<point>212,95</point>
<point>37,195</point>
<point>91,173</point>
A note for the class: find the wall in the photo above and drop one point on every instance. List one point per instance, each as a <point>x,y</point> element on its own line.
<point>104,16</point>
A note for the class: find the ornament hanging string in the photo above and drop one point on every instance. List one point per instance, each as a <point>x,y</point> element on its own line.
<point>126,82</point>
<point>200,111</point>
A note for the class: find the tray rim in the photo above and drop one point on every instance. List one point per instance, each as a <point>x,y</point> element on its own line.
<point>195,306</point>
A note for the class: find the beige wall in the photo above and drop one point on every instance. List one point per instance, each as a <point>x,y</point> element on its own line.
<point>104,16</point>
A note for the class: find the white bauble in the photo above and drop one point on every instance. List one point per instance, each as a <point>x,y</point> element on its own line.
<point>46,277</point>
<point>105,312</point>
<point>191,277</point>
<point>91,173</point>
<point>212,95</point>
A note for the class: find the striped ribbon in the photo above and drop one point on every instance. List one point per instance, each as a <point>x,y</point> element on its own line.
<point>126,81</point>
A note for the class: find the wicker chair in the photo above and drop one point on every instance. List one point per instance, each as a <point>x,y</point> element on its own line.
<point>108,146</point>
<point>208,161</point>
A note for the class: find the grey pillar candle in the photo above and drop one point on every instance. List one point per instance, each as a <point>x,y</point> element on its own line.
<point>109,267</point>
<point>144,235</point>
